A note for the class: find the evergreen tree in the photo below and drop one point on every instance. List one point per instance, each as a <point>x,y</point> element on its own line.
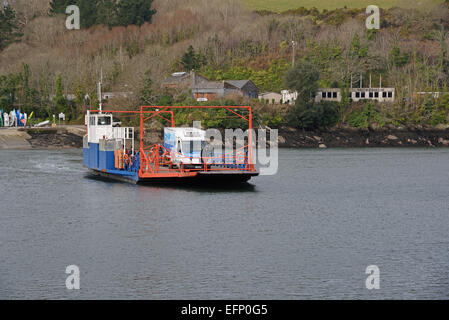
<point>88,12</point>
<point>59,6</point>
<point>303,78</point>
<point>134,12</point>
<point>59,100</point>
<point>107,13</point>
<point>146,94</point>
<point>192,60</point>
<point>9,27</point>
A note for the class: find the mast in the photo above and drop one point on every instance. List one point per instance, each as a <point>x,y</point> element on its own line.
<point>100,97</point>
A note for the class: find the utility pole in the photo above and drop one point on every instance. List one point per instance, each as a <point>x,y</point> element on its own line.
<point>294,44</point>
<point>100,98</point>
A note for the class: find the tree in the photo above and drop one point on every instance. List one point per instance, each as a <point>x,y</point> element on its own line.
<point>88,12</point>
<point>303,78</point>
<point>59,100</point>
<point>134,12</point>
<point>146,94</point>
<point>107,13</point>
<point>192,60</point>
<point>397,58</point>
<point>59,6</point>
<point>307,114</point>
<point>312,116</point>
<point>9,27</point>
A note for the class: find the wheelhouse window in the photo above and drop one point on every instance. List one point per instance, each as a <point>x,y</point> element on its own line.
<point>104,121</point>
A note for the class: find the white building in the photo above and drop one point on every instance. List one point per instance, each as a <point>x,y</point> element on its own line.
<point>330,94</point>
<point>289,97</point>
<point>271,97</point>
<point>377,94</point>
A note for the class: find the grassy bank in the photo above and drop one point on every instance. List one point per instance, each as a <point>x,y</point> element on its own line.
<point>284,5</point>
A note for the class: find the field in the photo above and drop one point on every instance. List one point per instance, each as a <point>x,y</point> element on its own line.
<point>283,5</point>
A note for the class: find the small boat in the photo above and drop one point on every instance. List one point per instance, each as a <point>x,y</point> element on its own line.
<point>185,156</point>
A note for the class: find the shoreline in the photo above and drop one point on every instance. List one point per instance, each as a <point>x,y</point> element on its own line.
<point>364,138</point>
<point>62,137</point>
<point>68,137</point>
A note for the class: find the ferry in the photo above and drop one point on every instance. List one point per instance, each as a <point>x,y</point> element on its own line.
<point>114,152</point>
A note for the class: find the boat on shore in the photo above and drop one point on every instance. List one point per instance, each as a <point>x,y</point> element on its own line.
<point>110,151</point>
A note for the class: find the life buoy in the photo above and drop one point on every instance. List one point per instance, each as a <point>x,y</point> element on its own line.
<point>128,160</point>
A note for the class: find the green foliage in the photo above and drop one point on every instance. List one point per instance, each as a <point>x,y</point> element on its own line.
<point>134,12</point>
<point>108,12</point>
<point>273,120</point>
<point>313,116</point>
<point>192,60</point>
<point>16,91</point>
<point>366,117</point>
<point>9,27</point>
<point>303,78</point>
<point>59,100</point>
<point>165,100</point>
<point>357,50</point>
<point>397,58</point>
<point>269,79</point>
<point>59,6</point>
<point>146,93</point>
<point>438,117</point>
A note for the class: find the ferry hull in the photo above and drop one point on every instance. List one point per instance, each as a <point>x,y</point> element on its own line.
<point>203,178</point>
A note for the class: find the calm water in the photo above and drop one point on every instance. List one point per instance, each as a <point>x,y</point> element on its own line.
<point>308,232</point>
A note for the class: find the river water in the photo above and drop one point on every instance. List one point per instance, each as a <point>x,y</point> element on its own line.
<point>308,232</point>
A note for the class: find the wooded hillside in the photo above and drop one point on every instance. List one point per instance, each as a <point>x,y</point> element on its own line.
<point>233,42</point>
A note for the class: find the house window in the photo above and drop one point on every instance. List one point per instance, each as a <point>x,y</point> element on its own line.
<point>323,95</point>
<point>357,94</point>
<point>384,94</point>
<point>329,95</point>
<point>362,95</point>
<point>334,95</point>
<point>376,94</point>
<point>371,95</point>
<point>390,94</point>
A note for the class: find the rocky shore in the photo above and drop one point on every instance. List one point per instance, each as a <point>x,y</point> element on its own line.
<point>71,137</point>
<point>353,138</point>
<point>42,138</point>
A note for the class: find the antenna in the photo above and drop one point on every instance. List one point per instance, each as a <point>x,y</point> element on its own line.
<point>294,44</point>
<point>100,97</point>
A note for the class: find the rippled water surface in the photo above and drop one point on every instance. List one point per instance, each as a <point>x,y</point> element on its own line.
<point>307,233</point>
